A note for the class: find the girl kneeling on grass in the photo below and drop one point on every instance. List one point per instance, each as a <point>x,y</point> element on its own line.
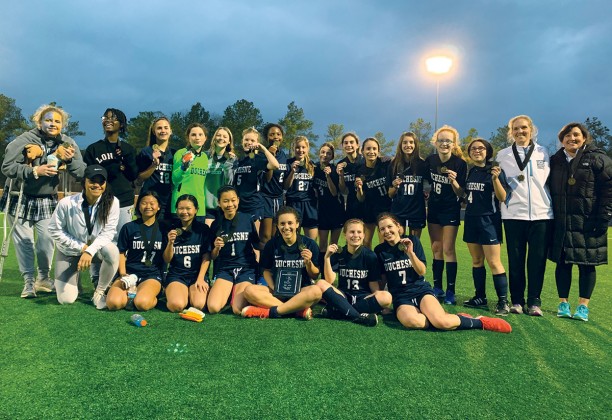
<point>140,253</point>
<point>83,227</point>
<point>188,254</point>
<point>402,263</point>
<point>288,262</point>
<point>235,266</point>
<point>358,296</point>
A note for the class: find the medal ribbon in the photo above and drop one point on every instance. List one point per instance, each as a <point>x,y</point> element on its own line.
<point>88,216</point>
<point>522,164</point>
<point>574,163</point>
<point>149,243</point>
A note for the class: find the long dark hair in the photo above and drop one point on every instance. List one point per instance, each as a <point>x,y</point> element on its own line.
<point>105,204</point>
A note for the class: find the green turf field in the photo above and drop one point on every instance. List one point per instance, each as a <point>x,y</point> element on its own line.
<point>76,362</point>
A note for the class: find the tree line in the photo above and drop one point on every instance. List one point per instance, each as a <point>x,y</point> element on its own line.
<point>242,114</point>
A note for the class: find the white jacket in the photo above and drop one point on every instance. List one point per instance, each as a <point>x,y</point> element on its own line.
<point>530,198</point>
<point>69,231</point>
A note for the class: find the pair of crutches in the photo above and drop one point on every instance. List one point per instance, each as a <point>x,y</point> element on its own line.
<point>6,235</point>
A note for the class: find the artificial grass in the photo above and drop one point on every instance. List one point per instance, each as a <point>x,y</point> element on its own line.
<point>75,362</point>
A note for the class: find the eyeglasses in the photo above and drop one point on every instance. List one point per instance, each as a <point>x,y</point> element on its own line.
<point>478,149</point>
<point>444,141</point>
<point>109,119</point>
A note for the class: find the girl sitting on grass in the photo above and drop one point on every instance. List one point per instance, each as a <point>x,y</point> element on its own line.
<point>402,263</point>
<point>140,253</point>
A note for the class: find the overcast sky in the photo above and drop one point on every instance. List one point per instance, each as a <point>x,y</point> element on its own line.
<point>358,63</point>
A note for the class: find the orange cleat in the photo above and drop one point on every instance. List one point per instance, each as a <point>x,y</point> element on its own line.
<point>495,324</point>
<point>255,312</point>
<point>305,314</point>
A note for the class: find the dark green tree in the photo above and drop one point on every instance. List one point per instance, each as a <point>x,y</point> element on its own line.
<point>294,124</point>
<point>72,130</point>
<point>181,120</point>
<point>471,135</point>
<point>423,131</point>
<point>242,114</point>
<point>12,123</point>
<point>499,138</point>
<point>138,128</point>
<point>387,148</point>
<point>600,133</point>
<point>334,136</point>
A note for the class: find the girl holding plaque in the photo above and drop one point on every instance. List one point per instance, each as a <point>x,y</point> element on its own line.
<point>371,186</point>
<point>405,184</point>
<point>289,267</point>
<point>233,253</point>
<point>300,186</point>
<point>187,251</point>
<point>485,188</point>
<point>444,209</point>
<point>581,188</point>
<point>189,168</point>
<point>155,164</point>
<point>248,173</point>
<point>526,214</point>
<point>358,296</point>
<point>402,263</point>
<point>140,257</point>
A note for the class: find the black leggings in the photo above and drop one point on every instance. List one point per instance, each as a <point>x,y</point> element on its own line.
<point>519,234</point>
<point>586,280</point>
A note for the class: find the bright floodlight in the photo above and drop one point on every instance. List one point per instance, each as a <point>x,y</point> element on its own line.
<point>438,64</point>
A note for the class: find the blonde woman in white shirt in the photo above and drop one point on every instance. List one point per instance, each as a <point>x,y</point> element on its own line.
<point>526,213</point>
<point>83,227</point>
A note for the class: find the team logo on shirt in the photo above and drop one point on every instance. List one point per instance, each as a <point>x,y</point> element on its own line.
<point>398,265</point>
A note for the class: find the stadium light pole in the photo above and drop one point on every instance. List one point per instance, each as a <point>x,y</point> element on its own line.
<point>438,65</point>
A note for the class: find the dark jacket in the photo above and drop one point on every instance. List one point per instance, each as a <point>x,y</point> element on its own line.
<point>581,211</point>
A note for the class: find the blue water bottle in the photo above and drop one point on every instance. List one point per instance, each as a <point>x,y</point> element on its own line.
<point>138,320</point>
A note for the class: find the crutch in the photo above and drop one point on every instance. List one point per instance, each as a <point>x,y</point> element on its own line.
<point>6,240</point>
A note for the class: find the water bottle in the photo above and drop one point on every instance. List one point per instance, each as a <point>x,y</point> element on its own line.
<point>138,320</point>
<point>53,160</point>
<point>131,293</point>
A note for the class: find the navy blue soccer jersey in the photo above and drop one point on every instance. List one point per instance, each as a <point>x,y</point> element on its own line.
<point>375,186</point>
<point>325,199</point>
<point>397,267</point>
<point>274,187</point>
<point>355,272</point>
<point>350,172</point>
<point>132,243</point>
<point>242,238</point>
<point>161,179</point>
<point>277,255</point>
<point>302,188</point>
<point>481,200</point>
<point>246,180</point>
<point>189,249</point>
<point>409,201</point>
<point>442,198</point>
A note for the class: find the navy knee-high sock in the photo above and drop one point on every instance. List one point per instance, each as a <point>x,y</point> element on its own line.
<point>469,323</point>
<point>500,281</point>
<point>451,276</point>
<point>437,268</point>
<point>479,274</point>
<point>340,303</point>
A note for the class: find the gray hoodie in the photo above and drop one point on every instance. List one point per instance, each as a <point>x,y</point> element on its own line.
<point>14,165</point>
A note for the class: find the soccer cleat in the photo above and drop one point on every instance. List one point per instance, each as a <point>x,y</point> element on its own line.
<point>439,293</point>
<point>369,320</point>
<point>517,309</point>
<point>495,324</point>
<point>45,285</point>
<point>477,302</point>
<point>305,314</point>
<point>330,312</point>
<point>449,299</point>
<point>29,291</point>
<point>502,308</point>
<point>563,310</point>
<point>535,310</point>
<point>255,312</point>
<point>582,313</point>
<point>99,300</point>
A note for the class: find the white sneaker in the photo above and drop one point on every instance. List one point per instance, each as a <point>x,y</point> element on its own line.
<point>99,300</point>
<point>29,290</point>
<point>44,285</point>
